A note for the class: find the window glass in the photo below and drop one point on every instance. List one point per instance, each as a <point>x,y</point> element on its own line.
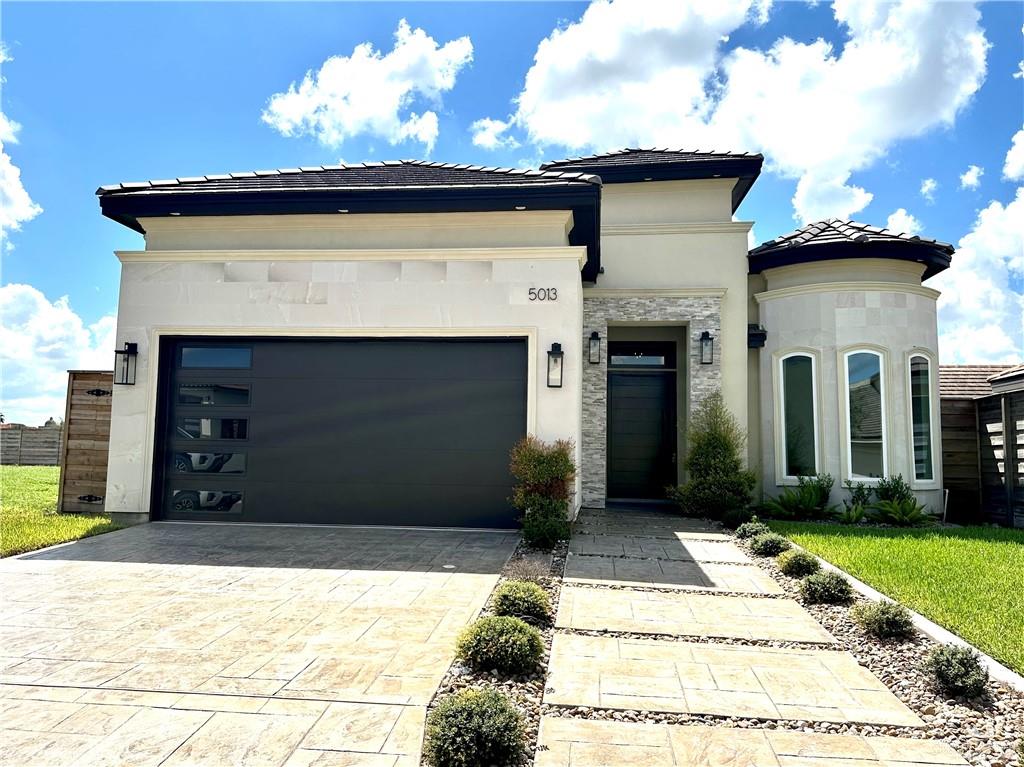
<point>865,393</point>
<point>213,394</point>
<point>800,457</point>
<point>212,428</point>
<point>207,500</point>
<point>921,410</point>
<point>216,357</point>
<point>208,463</point>
<point>638,360</point>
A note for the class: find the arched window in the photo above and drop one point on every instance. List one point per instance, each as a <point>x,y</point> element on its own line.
<point>798,398</point>
<point>865,415</point>
<point>921,416</point>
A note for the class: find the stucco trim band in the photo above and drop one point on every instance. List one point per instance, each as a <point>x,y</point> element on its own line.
<point>840,287</point>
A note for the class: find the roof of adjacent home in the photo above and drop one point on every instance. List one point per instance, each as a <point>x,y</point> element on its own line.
<point>838,239</point>
<point>972,381</point>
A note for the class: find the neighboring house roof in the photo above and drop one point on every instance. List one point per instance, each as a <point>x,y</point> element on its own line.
<point>866,410</point>
<point>838,239</point>
<point>402,186</point>
<point>969,381</point>
<point>1010,380</point>
<point>633,165</point>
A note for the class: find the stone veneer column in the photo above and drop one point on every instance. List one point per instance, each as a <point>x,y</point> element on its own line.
<point>699,313</point>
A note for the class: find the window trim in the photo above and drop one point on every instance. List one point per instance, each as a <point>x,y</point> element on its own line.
<point>934,421</point>
<point>844,393</point>
<point>781,477</point>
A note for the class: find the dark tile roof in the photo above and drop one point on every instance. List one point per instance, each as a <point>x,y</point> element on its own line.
<point>969,381</point>
<point>633,157</point>
<point>837,238</point>
<point>398,174</point>
<point>1012,372</point>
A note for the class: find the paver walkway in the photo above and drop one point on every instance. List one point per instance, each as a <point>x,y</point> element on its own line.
<point>231,644</point>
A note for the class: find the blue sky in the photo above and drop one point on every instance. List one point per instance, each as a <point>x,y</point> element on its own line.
<point>103,93</point>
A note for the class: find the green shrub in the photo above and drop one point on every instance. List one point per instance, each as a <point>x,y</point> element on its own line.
<point>522,599</point>
<point>752,528</point>
<point>472,728</point>
<point>903,513</point>
<point>957,670</point>
<point>885,620</point>
<point>893,489</point>
<point>808,500</point>
<point>501,643</point>
<point>734,518</point>
<point>542,530</point>
<point>827,587</point>
<point>768,544</point>
<point>544,472</point>
<point>852,515</point>
<point>797,564</point>
<point>860,494</point>
<point>718,483</point>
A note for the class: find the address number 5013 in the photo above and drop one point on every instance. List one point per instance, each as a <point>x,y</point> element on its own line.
<point>543,294</point>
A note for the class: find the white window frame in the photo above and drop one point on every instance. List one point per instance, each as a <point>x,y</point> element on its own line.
<point>933,421</point>
<point>781,476</point>
<point>844,388</point>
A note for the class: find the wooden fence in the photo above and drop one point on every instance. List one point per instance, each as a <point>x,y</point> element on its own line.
<point>960,462</point>
<point>1001,440</point>
<point>83,480</point>
<point>29,445</point>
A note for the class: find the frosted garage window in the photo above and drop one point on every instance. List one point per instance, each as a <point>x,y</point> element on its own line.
<point>865,415</point>
<point>799,416</point>
<point>921,412</point>
<point>216,357</point>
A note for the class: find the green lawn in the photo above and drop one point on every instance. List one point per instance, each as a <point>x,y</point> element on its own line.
<point>968,579</point>
<point>28,517</point>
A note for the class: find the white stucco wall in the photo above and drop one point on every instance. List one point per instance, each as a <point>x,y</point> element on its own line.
<point>456,274</point>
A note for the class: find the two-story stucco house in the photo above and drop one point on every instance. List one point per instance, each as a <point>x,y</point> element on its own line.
<point>362,344</point>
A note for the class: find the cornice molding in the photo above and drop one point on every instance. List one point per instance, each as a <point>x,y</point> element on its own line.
<point>654,292</point>
<point>845,287</point>
<point>697,227</point>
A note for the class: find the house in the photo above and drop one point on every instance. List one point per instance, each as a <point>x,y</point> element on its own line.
<point>363,343</point>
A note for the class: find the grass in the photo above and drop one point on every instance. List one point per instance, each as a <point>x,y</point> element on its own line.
<point>967,579</point>
<point>28,512</point>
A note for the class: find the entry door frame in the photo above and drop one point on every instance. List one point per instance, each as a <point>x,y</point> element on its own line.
<point>157,369</point>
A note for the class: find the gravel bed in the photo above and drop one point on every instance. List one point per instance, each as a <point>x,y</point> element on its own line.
<point>678,589</point>
<point>700,639</point>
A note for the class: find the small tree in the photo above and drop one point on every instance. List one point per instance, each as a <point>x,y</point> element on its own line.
<point>717,483</point>
<point>544,472</point>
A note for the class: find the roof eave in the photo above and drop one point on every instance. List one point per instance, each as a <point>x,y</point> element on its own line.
<point>936,257</point>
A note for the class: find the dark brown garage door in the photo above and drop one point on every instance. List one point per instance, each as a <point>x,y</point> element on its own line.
<point>332,431</point>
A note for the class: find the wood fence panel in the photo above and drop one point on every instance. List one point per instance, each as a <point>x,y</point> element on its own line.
<point>960,470</point>
<point>29,445</point>
<point>83,483</point>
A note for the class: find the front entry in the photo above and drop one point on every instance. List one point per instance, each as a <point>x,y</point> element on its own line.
<point>641,419</point>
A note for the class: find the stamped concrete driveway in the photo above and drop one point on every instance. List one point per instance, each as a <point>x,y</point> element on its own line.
<point>176,644</point>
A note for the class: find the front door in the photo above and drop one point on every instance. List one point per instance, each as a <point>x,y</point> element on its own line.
<point>641,419</point>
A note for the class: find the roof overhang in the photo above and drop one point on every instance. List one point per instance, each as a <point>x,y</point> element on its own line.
<point>935,257</point>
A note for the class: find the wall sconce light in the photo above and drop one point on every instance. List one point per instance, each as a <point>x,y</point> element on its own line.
<point>555,358</point>
<point>595,348</point>
<point>707,348</point>
<point>124,364</point>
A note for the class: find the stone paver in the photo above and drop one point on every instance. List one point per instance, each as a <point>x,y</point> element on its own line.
<point>646,524</point>
<point>580,743</point>
<point>687,614</point>
<point>668,573</point>
<point>725,680</point>
<point>681,548</point>
<point>209,644</point>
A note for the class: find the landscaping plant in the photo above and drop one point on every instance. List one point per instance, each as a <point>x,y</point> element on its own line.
<point>474,727</point>
<point>752,528</point>
<point>828,588</point>
<point>768,544</point>
<point>718,483</point>
<point>501,643</point>
<point>528,569</point>
<point>797,564</point>
<point>885,620</point>
<point>544,472</point>
<point>852,515</point>
<point>734,518</point>
<point>855,509</point>
<point>903,513</point>
<point>957,670</point>
<point>522,600</point>
<point>893,489</point>
<point>808,500</point>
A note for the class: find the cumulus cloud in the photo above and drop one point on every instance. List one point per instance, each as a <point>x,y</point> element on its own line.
<point>902,222</point>
<point>655,73</point>
<point>492,134</point>
<point>1013,167</point>
<point>41,339</point>
<point>928,187</point>
<point>971,178</point>
<point>981,310</point>
<point>16,205</point>
<point>373,93</point>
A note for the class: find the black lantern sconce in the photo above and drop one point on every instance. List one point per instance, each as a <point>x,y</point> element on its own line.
<point>555,358</point>
<point>707,348</point>
<point>595,348</point>
<point>124,364</point>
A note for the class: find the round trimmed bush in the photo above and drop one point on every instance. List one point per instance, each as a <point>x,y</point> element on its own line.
<point>752,529</point>
<point>474,727</point>
<point>522,599</point>
<point>768,544</point>
<point>797,564</point>
<point>734,518</point>
<point>885,620</point>
<point>826,588</point>
<point>501,643</point>
<point>957,670</point>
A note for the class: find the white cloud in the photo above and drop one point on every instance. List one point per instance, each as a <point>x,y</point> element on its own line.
<point>373,93</point>
<point>491,134</point>
<point>1020,64</point>
<point>645,72</point>
<point>981,310</point>
<point>16,206</point>
<point>1013,168</point>
<point>928,187</point>
<point>41,340</point>
<point>902,222</point>
<point>971,178</point>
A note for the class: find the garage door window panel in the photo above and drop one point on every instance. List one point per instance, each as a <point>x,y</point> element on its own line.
<point>212,428</point>
<point>210,394</point>
<point>216,357</point>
